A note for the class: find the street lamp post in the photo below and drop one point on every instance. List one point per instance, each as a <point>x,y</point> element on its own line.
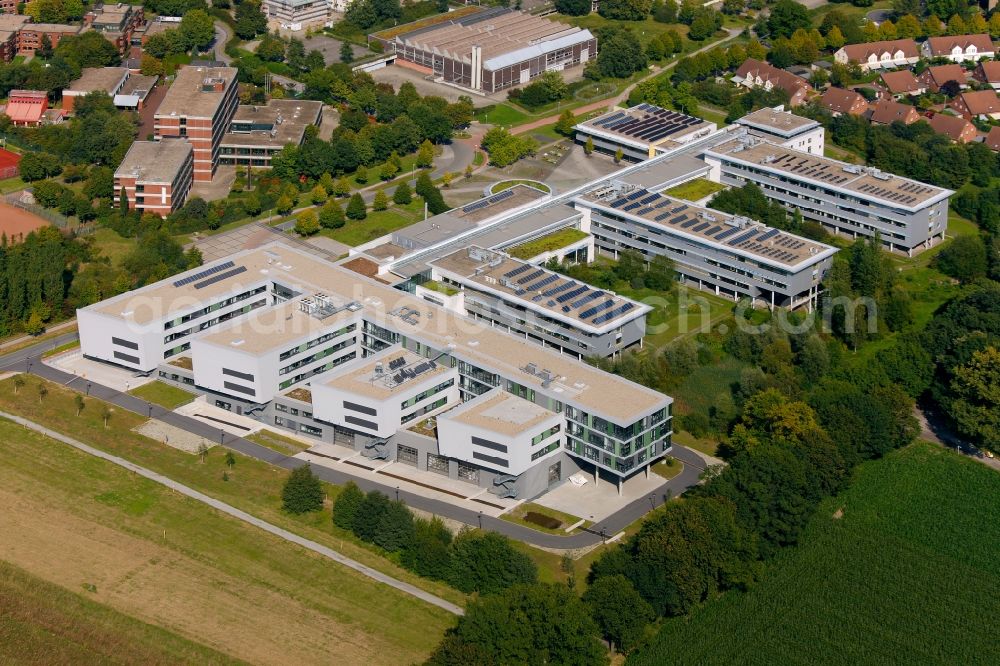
<point>397,493</point>
<point>480,520</point>
<point>149,407</point>
<point>88,388</point>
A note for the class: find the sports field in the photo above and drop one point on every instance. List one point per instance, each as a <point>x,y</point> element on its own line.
<point>16,222</point>
<point>899,569</point>
<point>147,554</point>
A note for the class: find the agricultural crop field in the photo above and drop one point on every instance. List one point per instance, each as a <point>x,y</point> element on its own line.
<point>900,568</point>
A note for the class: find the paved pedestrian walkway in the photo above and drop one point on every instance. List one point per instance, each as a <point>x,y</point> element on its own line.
<point>244,516</point>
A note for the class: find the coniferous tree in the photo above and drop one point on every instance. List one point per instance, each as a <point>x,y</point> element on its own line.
<point>303,491</point>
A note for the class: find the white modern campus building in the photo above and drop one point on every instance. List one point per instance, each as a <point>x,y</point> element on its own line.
<point>434,346</point>
<point>281,335</point>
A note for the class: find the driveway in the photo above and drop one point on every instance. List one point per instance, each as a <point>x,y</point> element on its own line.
<point>222,35</point>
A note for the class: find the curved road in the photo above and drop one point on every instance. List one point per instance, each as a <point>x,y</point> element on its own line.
<point>244,516</point>
<point>29,360</point>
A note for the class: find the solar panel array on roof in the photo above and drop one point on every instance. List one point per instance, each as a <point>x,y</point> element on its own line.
<point>713,231</point>
<point>727,233</point>
<point>685,225</point>
<point>220,277</point>
<point>538,285</point>
<point>608,316</point>
<point>647,122</point>
<point>517,271</point>
<point>635,195</point>
<point>203,274</point>
<point>496,198</point>
<point>742,238</point>
<point>586,299</point>
<point>555,290</point>
<point>590,312</point>
<point>632,206</point>
<point>531,278</point>
<point>571,294</point>
<point>649,199</point>
<point>767,236</point>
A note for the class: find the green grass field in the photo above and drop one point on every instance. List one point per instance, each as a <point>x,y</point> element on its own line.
<point>554,241</point>
<point>502,114</point>
<point>683,312</point>
<point>378,223</point>
<point>162,394</point>
<point>906,574</point>
<point>171,561</point>
<point>696,189</point>
<point>44,623</point>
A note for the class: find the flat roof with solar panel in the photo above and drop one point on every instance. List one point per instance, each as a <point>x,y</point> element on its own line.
<point>546,292</point>
<point>645,124</point>
<point>731,233</point>
<point>863,182</point>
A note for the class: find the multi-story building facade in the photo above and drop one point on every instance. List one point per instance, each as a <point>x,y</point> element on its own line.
<point>539,304</point>
<point>31,35</point>
<point>155,176</point>
<point>297,12</point>
<point>907,215</point>
<point>491,49</point>
<point>787,129</point>
<point>199,107</point>
<point>730,255</point>
<point>258,132</point>
<point>283,336</point>
<point>641,132</point>
<point>117,23</point>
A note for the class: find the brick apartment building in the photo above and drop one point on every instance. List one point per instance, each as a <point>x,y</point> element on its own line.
<point>30,36</point>
<point>155,176</point>
<point>199,107</point>
<point>117,23</point>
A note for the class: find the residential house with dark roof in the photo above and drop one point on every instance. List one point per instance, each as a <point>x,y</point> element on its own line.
<point>879,55</point>
<point>937,76</point>
<point>959,48</point>
<point>981,104</point>
<point>756,74</point>
<point>839,101</point>
<point>957,129</point>
<point>886,112</point>
<point>988,71</point>
<point>903,82</point>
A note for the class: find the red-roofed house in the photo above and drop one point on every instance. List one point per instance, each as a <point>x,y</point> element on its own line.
<point>26,107</point>
<point>993,139</point>
<point>876,55</point>
<point>956,129</point>
<point>988,71</point>
<point>886,112</point>
<point>959,48</point>
<point>935,77</point>
<point>902,83</point>
<point>839,100</point>
<point>756,74</point>
<point>981,104</point>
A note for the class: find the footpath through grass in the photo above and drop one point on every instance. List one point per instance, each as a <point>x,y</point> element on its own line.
<point>899,569</point>
<point>169,560</point>
<point>252,485</point>
<point>43,623</point>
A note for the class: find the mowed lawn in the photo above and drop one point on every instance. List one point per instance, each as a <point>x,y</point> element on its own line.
<point>128,543</point>
<point>906,575</point>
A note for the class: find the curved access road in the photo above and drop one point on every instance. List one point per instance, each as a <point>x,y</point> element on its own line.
<point>29,360</point>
